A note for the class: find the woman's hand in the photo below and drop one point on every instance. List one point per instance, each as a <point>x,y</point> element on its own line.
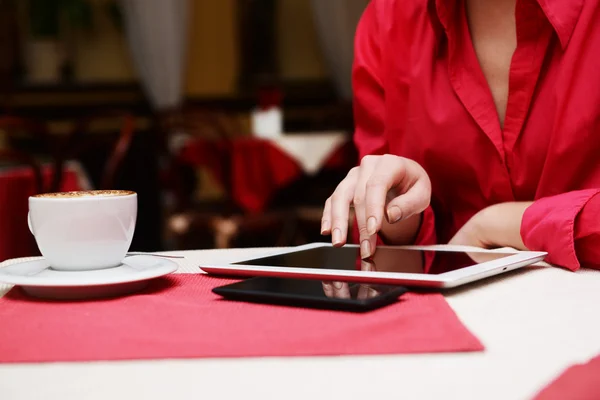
<point>384,190</point>
<point>495,226</point>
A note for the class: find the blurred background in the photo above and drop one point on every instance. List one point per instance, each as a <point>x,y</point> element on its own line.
<point>231,119</point>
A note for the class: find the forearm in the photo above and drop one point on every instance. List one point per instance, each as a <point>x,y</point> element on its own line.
<point>495,226</point>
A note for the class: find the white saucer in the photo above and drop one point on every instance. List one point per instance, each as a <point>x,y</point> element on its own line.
<point>38,279</point>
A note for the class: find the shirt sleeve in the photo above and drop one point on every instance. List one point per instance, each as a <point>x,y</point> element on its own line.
<point>567,227</point>
<point>369,105</point>
<point>367,84</point>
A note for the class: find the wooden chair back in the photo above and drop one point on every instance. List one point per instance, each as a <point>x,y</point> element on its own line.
<point>78,140</point>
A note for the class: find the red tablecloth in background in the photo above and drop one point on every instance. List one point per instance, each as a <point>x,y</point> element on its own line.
<point>252,169</point>
<point>16,185</point>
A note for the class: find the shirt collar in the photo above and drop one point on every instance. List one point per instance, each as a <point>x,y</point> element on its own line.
<point>562,15</point>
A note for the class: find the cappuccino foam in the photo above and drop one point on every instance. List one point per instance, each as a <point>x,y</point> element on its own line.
<point>85,193</point>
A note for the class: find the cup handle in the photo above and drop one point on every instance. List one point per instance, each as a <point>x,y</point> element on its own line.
<point>29,224</point>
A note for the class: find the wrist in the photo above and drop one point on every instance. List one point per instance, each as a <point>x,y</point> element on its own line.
<point>499,225</point>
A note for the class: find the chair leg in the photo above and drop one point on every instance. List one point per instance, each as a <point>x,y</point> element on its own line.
<point>225,230</point>
<point>289,231</point>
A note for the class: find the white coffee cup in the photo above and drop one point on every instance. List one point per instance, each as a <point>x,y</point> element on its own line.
<point>79,231</point>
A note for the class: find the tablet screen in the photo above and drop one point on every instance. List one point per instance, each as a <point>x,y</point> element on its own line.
<point>386,259</point>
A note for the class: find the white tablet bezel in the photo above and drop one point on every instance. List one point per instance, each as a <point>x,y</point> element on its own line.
<point>446,280</point>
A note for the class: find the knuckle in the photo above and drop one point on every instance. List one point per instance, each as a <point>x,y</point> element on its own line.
<point>390,158</point>
<point>334,199</point>
<point>368,160</point>
<point>400,163</point>
<point>340,223</point>
<point>338,213</point>
<point>339,199</point>
<point>358,200</point>
<point>346,183</point>
<point>423,199</point>
<point>376,182</point>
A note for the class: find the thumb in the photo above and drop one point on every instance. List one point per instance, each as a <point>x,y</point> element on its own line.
<point>414,201</point>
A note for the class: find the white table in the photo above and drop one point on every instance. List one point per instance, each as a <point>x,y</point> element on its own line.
<point>310,150</point>
<point>534,323</point>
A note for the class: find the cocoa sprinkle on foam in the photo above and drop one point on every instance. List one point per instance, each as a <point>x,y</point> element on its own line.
<point>88,193</point>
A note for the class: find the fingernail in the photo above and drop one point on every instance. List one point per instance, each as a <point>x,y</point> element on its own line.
<point>337,236</point>
<point>365,249</point>
<point>372,226</point>
<point>337,285</point>
<point>394,214</point>
<point>325,227</point>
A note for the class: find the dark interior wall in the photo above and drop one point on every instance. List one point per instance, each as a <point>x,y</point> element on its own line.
<point>140,173</point>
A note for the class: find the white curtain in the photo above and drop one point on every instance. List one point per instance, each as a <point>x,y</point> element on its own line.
<point>336,22</point>
<point>157,36</point>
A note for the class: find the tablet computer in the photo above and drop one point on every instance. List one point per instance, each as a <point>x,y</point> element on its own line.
<point>424,266</point>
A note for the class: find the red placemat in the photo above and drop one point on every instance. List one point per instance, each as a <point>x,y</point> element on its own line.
<point>179,317</point>
<point>580,382</point>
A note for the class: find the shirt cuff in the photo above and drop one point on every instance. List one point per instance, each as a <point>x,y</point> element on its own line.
<point>549,225</point>
<point>426,235</point>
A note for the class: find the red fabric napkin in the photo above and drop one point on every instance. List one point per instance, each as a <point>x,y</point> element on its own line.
<point>254,168</point>
<point>179,317</point>
<point>16,185</point>
<point>210,154</point>
<point>579,382</point>
<point>259,170</point>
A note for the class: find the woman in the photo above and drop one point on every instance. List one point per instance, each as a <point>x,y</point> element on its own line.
<point>478,123</point>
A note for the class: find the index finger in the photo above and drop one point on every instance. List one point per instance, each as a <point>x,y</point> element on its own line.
<point>388,173</point>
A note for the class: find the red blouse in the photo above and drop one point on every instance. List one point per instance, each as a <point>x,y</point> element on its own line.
<point>420,93</point>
